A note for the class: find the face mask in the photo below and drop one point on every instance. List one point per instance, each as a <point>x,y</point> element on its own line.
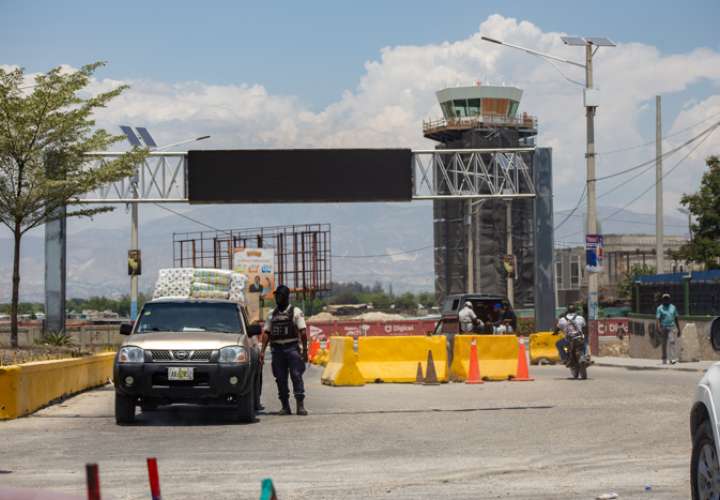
<point>282,299</point>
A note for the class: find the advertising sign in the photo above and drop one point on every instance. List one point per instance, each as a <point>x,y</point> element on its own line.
<point>258,264</point>
<point>509,264</point>
<point>134,263</point>
<point>594,253</point>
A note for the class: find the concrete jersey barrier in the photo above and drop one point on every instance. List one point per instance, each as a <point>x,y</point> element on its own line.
<point>497,356</point>
<point>27,387</point>
<point>542,346</point>
<point>341,368</point>
<point>395,359</point>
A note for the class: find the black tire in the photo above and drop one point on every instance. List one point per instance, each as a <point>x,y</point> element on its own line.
<point>124,409</point>
<point>704,458</point>
<point>574,371</point>
<point>583,371</point>
<point>246,407</point>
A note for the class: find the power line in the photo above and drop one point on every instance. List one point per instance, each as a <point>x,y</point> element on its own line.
<point>663,177</point>
<point>653,160</point>
<point>650,143</point>
<point>180,214</point>
<point>577,205</point>
<point>402,252</point>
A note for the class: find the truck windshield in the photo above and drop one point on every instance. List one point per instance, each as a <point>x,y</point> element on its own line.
<point>189,317</point>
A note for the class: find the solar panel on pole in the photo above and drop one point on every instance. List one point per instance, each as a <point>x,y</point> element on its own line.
<point>573,40</point>
<point>131,137</point>
<point>600,41</point>
<point>146,137</point>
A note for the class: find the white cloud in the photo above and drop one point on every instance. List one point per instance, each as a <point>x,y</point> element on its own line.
<point>396,93</point>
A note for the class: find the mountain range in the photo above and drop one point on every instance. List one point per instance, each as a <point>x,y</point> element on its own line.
<point>97,255</point>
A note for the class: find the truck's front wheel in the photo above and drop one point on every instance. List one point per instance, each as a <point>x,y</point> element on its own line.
<point>246,407</point>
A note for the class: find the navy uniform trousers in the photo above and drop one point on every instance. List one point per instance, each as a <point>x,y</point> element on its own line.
<point>287,360</point>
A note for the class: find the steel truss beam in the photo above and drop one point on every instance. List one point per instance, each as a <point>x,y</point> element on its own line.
<point>472,173</point>
<point>437,174</point>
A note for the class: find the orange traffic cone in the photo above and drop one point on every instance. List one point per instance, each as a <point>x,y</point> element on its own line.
<point>474,370</point>
<point>419,378</point>
<point>430,373</point>
<point>523,374</point>
<point>314,348</point>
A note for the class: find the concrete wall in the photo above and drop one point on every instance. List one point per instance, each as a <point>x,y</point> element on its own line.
<point>85,336</point>
<point>694,343</point>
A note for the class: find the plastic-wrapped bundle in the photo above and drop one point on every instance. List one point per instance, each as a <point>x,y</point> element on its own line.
<point>237,287</point>
<point>205,287</point>
<point>209,294</point>
<point>219,277</point>
<point>173,282</point>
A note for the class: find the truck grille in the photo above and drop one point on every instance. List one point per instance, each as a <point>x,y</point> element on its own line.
<point>175,356</point>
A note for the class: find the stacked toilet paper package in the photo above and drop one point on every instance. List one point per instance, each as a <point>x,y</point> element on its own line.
<point>186,283</point>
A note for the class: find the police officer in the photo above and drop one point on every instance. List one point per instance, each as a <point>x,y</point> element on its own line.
<point>285,331</point>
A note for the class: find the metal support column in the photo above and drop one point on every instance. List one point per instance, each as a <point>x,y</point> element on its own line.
<point>544,282</point>
<point>55,272</point>
<point>509,251</point>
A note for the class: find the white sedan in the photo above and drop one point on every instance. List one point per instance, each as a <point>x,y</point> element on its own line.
<point>704,465</point>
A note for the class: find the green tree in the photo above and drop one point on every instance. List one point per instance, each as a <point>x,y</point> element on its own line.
<point>626,285</point>
<point>45,132</point>
<point>704,246</point>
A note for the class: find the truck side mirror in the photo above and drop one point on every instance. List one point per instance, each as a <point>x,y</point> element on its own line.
<point>254,330</point>
<point>126,328</point>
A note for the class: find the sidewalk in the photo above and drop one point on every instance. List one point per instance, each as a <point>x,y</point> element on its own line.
<point>651,364</point>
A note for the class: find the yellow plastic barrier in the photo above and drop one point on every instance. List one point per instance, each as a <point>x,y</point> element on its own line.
<point>395,359</point>
<point>341,368</point>
<point>497,356</point>
<point>542,346</point>
<point>30,386</point>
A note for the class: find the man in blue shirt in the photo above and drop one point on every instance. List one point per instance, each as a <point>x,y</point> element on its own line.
<point>669,328</point>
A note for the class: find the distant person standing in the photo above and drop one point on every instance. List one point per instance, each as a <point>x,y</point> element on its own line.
<point>669,327</point>
<point>468,319</point>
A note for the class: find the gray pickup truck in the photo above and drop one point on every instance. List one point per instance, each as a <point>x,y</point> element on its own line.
<point>188,351</point>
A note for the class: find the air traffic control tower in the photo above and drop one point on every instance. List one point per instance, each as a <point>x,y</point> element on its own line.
<point>470,236</point>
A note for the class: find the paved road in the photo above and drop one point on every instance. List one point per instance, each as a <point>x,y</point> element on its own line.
<point>549,439</point>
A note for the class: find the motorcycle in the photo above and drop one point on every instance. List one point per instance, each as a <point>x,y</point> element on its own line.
<point>577,359</point>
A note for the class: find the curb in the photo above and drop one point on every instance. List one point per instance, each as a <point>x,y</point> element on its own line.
<point>606,364</point>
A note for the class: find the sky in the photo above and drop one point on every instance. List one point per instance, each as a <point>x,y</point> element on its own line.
<point>363,74</point>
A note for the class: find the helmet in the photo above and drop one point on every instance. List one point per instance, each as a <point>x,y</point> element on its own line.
<point>468,304</point>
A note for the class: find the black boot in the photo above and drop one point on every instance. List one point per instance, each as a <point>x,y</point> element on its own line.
<point>301,407</point>
<point>285,408</point>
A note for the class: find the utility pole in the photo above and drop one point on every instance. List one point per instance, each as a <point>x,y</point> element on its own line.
<point>134,246</point>
<point>509,252</point>
<point>590,164</point>
<point>469,247</point>
<point>659,230</point>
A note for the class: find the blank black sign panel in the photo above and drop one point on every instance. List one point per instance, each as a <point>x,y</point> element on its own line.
<point>299,175</point>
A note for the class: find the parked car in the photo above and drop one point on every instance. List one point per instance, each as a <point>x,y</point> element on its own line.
<point>704,465</point>
<point>484,305</point>
<point>187,351</point>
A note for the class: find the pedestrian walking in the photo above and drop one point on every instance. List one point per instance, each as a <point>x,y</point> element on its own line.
<point>286,332</point>
<point>669,327</point>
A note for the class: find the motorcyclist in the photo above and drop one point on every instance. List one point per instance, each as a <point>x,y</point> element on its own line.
<point>571,323</point>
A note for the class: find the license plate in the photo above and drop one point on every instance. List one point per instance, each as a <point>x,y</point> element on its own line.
<point>180,373</point>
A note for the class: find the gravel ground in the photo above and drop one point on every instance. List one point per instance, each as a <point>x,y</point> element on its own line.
<point>553,438</point>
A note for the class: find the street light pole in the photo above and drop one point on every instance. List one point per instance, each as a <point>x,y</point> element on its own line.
<point>590,167</point>
<point>591,44</point>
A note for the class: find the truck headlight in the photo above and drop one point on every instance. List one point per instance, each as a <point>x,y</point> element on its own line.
<point>131,354</point>
<point>233,354</point>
